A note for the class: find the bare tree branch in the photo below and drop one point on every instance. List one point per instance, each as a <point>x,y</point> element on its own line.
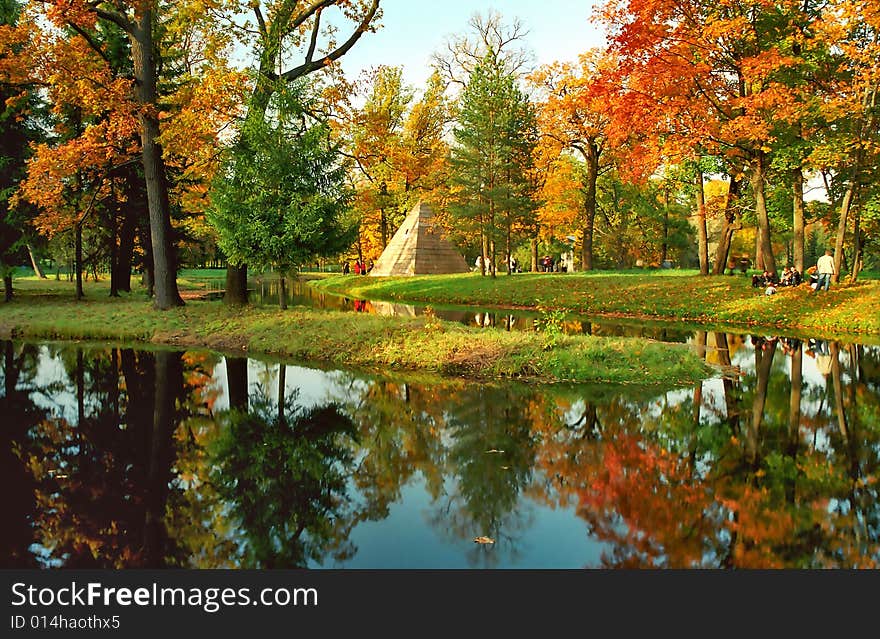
<point>312,65</point>
<point>311,52</point>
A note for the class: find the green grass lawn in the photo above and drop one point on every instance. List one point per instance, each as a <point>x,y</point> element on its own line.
<point>672,295</point>
<point>46,309</point>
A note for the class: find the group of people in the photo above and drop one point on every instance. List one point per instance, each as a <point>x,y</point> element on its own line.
<point>790,277</point>
<point>512,264</point>
<point>819,276</point>
<point>360,268</point>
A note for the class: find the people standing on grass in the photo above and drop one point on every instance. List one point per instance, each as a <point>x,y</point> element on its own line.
<point>825,269</point>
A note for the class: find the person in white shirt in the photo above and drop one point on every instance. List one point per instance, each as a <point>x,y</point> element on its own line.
<point>825,267</point>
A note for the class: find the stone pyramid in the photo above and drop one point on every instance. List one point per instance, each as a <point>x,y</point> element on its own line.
<point>418,249</point>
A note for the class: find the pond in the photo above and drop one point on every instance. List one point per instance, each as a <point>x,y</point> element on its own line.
<point>116,457</point>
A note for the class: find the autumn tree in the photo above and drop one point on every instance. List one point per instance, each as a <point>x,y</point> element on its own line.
<point>93,125</point>
<point>86,69</point>
<point>139,22</point>
<point>377,146</point>
<point>574,117</point>
<point>17,130</point>
<point>398,150</point>
<point>737,78</point>
<point>849,151</point>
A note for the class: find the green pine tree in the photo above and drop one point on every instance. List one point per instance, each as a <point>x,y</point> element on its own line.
<point>281,198</point>
<point>492,159</point>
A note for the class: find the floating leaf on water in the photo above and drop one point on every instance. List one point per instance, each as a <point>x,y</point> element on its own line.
<point>484,540</point>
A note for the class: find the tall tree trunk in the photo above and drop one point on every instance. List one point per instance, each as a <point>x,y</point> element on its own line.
<point>282,291</point>
<point>236,293</point>
<point>114,243</point>
<point>857,246</point>
<point>7,286</point>
<point>845,206</point>
<point>702,231</point>
<point>38,270</point>
<point>484,249</point>
<point>507,245</point>
<point>161,234</point>
<point>759,187</point>
<point>492,257</point>
<point>664,246</point>
<point>134,214</point>
<point>759,250</point>
<point>125,255</point>
<point>728,229</point>
<point>147,278</point>
<point>533,252</point>
<point>77,259</point>
<point>591,175</point>
<point>798,218</point>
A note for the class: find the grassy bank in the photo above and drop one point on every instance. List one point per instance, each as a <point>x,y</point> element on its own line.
<point>717,301</point>
<point>45,310</point>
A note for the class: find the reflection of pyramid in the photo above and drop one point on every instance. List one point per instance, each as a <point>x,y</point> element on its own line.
<point>418,249</point>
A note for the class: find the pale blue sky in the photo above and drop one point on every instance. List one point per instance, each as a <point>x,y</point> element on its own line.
<point>414,29</point>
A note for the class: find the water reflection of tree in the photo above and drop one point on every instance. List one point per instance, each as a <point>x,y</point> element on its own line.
<point>491,455</point>
<point>400,426</point>
<point>474,446</point>
<point>768,468</point>
<point>103,478</point>
<point>20,414</point>
<point>282,474</point>
<point>747,486</point>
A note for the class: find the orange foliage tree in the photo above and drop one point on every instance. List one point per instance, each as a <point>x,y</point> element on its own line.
<point>576,116</point>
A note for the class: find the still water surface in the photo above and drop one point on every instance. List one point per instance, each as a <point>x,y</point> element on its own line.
<point>117,457</point>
